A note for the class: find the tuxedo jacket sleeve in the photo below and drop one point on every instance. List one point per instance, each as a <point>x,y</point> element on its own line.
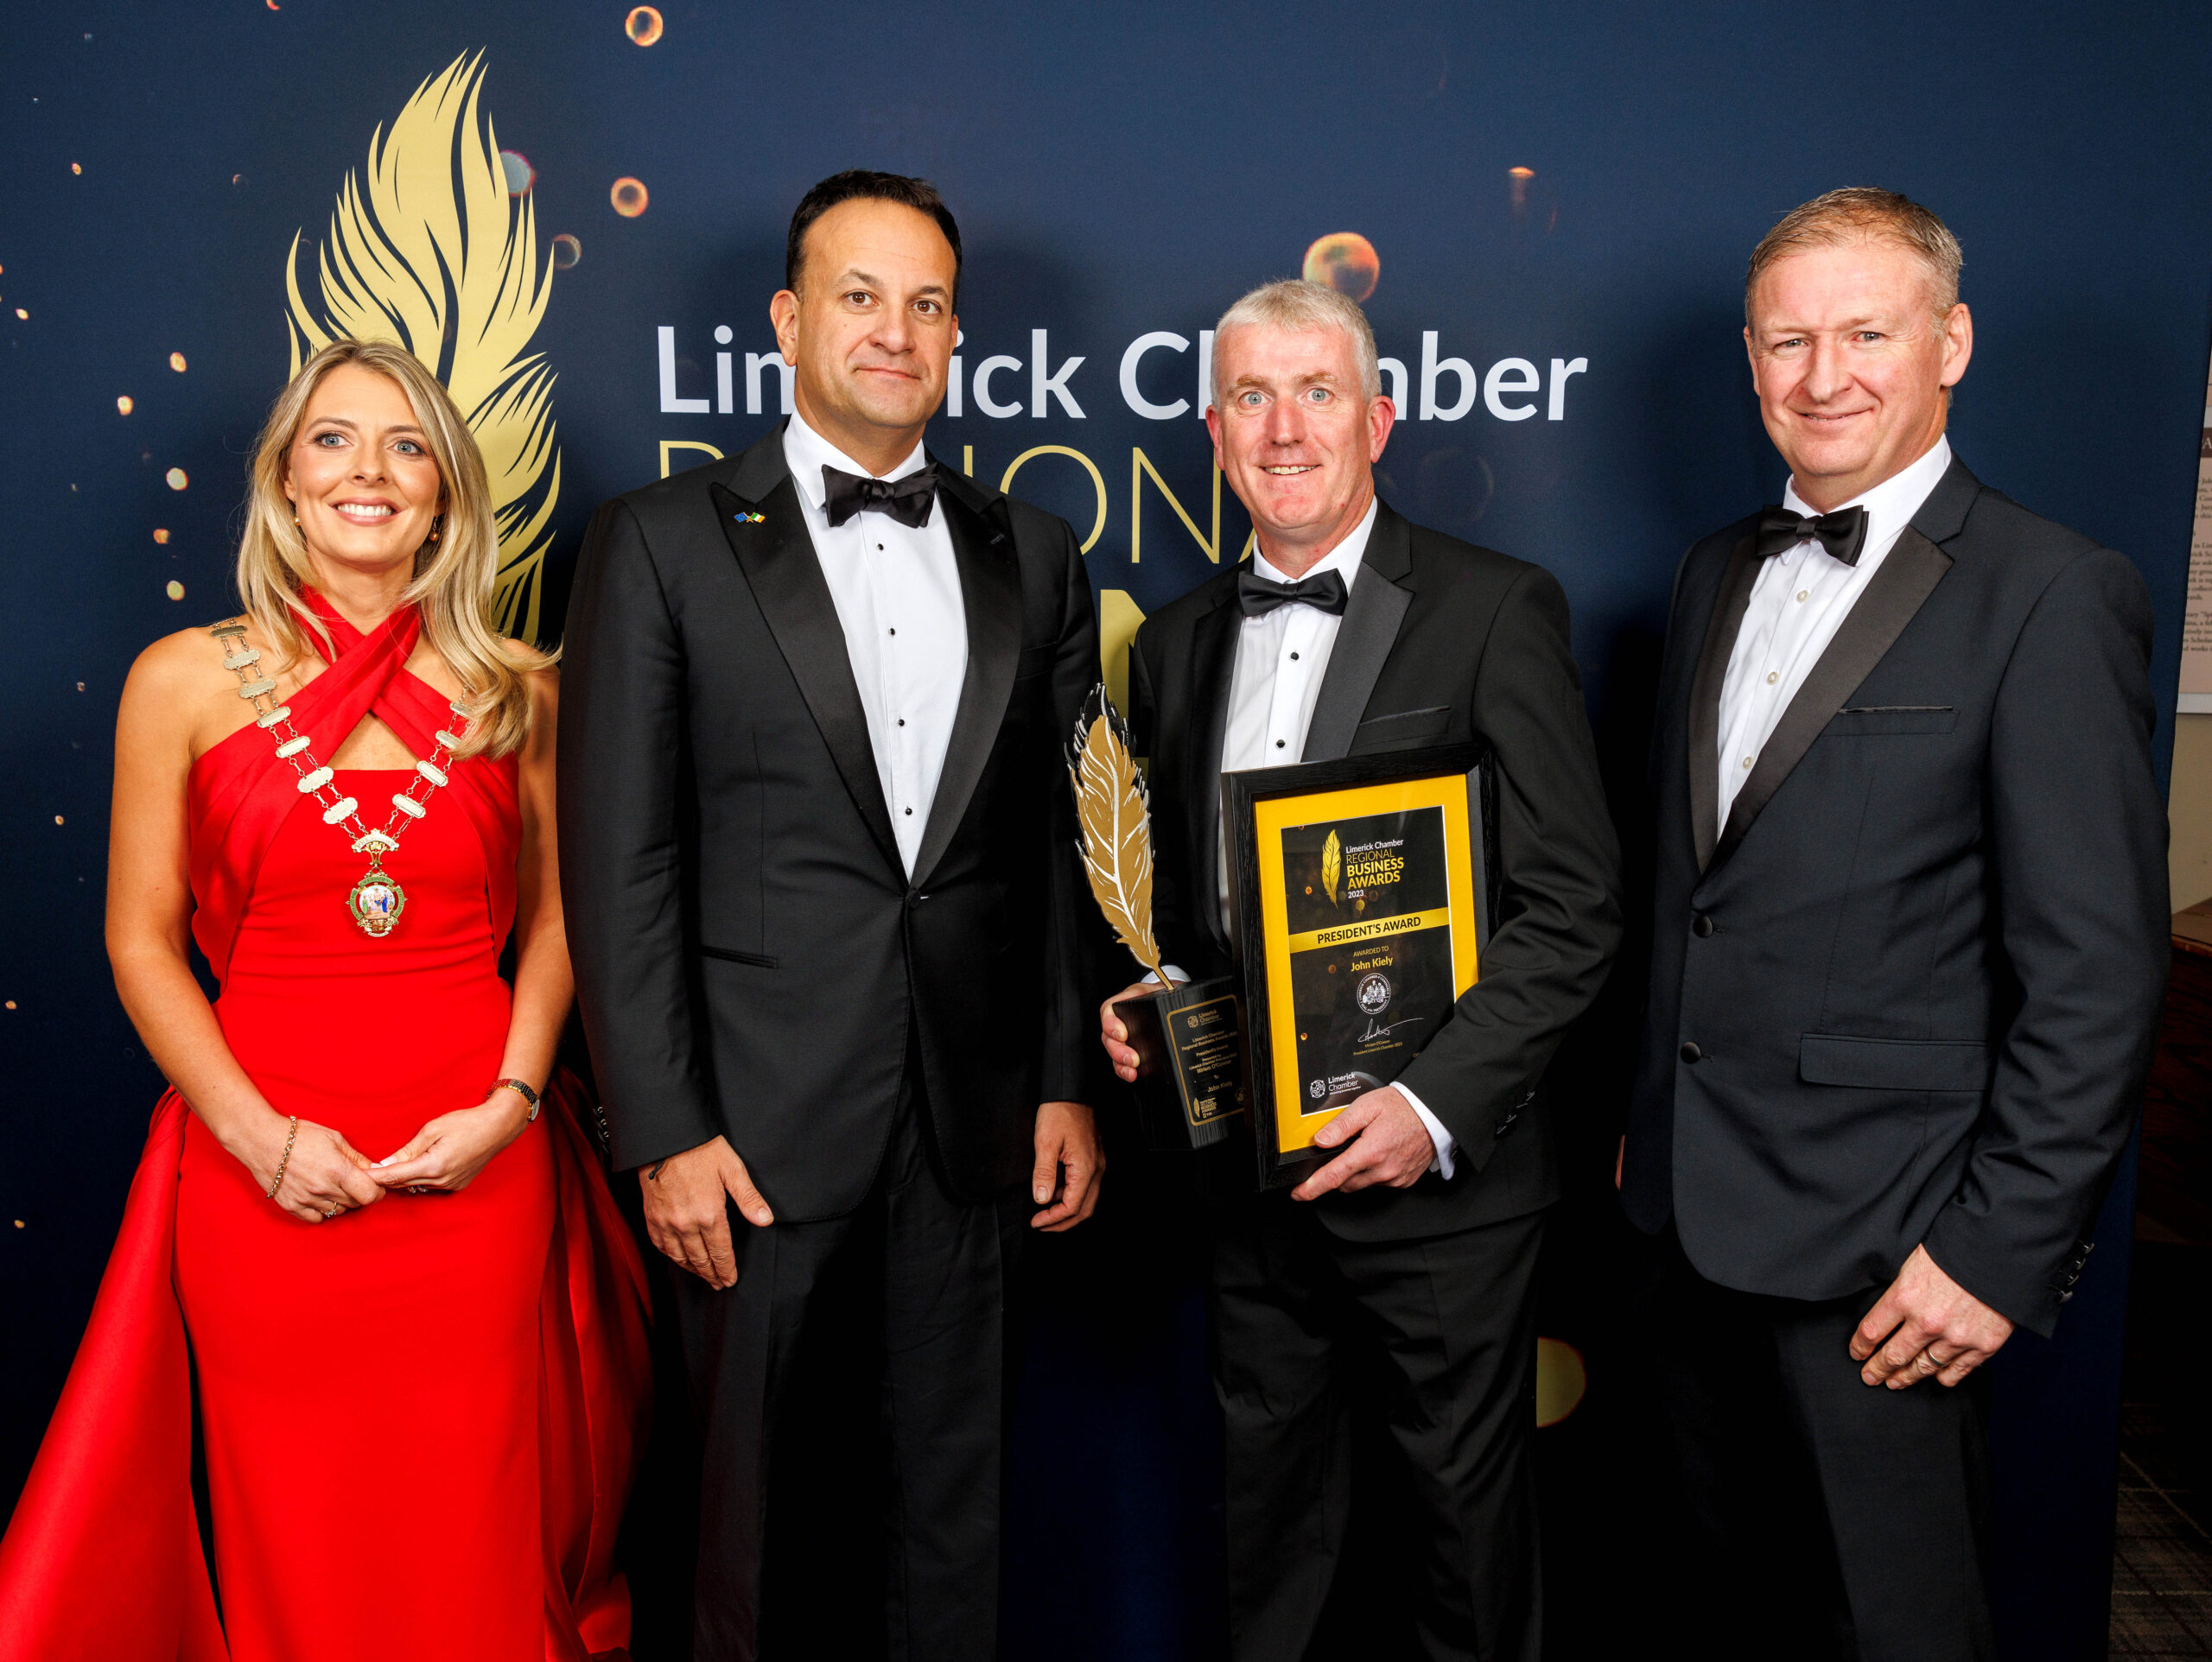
<point>625,742</point>
<point>1559,903</point>
<point>2077,839</point>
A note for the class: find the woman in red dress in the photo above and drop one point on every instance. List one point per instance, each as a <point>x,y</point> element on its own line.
<point>412,1322</point>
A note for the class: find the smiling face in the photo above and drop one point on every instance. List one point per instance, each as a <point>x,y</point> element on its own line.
<point>360,474</point>
<point>871,328</point>
<point>1852,366</point>
<point>1295,436</point>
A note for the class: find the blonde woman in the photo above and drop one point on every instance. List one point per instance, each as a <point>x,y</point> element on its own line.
<point>368,1243</point>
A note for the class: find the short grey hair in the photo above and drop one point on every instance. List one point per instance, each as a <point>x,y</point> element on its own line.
<point>1303,307</point>
<point>1864,214</point>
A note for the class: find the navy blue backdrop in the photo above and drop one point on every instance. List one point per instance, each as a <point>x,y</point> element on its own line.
<point>1571,185</point>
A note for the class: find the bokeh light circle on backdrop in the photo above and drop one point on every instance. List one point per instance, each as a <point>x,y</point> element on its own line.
<point>567,250</point>
<point>1561,1378</point>
<point>642,25</point>
<point>1346,262</point>
<point>176,479</point>
<point>629,197</point>
<point>518,172</point>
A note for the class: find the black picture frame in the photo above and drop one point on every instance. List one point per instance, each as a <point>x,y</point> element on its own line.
<point>1242,793</point>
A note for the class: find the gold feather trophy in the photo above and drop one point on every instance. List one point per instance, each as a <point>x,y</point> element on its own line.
<point>1189,1039</point>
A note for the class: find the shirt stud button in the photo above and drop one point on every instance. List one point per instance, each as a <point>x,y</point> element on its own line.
<point>1278,744</point>
<point>1747,761</point>
<point>894,632</point>
<point>1804,593</point>
<point>910,813</point>
<point>1293,657</point>
<point>1691,1053</point>
<point>1773,676</point>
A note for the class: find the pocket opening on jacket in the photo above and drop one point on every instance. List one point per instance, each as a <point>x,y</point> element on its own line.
<point>731,955</point>
<point>1878,1064</point>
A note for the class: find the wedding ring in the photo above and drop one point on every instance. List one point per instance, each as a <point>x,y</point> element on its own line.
<point>332,1212</point>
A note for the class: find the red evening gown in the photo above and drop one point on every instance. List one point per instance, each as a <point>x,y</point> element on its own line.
<point>418,1420</point>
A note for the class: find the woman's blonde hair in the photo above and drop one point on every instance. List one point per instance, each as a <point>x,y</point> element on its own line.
<point>455,577</point>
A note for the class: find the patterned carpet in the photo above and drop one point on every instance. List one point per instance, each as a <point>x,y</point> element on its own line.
<point>2161,1558</point>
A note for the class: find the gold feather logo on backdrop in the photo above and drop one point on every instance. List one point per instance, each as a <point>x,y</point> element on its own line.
<point>1332,867</point>
<point>1114,815</point>
<point>427,251</point>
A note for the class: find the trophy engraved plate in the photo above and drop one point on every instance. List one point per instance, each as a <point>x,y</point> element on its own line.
<point>1190,1064</point>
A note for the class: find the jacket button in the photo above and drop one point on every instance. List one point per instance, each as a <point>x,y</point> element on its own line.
<point>1691,1053</point>
<point>1700,926</point>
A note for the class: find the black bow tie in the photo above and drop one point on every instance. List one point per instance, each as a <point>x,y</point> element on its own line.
<point>1842,534</point>
<point>1323,592</point>
<point>907,500</point>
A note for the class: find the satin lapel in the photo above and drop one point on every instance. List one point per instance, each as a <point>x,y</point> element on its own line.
<point>778,558</point>
<point>1213,665</point>
<point>1376,608</point>
<point>1894,596</point>
<point>990,599</point>
<point>1720,632</point>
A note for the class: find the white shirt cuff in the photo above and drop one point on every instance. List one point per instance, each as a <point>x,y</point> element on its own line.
<point>1447,1146</point>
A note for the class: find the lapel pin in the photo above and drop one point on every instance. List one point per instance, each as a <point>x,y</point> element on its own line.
<point>750,519</point>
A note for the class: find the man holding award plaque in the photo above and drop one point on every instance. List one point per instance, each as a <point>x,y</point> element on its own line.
<point>1412,877</point>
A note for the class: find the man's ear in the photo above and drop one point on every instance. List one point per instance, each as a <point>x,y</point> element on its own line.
<point>782,317</point>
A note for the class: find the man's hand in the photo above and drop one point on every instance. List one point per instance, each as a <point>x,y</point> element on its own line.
<point>686,1214</point>
<point>1934,1329</point>
<point>1114,1033</point>
<point>1389,1145</point>
<point>1070,1162</point>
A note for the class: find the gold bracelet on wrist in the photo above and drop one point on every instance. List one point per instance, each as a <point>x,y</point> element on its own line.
<point>278,1182</point>
<point>521,1090</point>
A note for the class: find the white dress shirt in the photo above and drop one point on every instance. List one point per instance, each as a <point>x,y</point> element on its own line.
<point>1798,602</point>
<point>1281,657</point>
<point>897,590</point>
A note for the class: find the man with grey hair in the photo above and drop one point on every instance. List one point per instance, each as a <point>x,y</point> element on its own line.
<point>1909,938</point>
<point>1409,1258</point>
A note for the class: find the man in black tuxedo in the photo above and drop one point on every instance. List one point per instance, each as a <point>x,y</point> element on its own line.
<point>1910,923</point>
<point>1352,632</point>
<point>817,856</point>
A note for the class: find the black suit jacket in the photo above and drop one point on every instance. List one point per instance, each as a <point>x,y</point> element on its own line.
<point>1921,964</point>
<point>1440,642</point>
<point>750,954</point>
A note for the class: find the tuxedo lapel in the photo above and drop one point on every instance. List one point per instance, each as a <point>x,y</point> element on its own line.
<point>1729,606</point>
<point>766,531</point>
<point>1213,666</point>
<point>990,599</point>
<point>1372,614</point>
<point>1893,597</point>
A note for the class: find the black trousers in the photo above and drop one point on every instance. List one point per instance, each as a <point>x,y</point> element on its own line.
<point>1822,1518</point>
<point>848,1393</point>
<point>1435,1339</point>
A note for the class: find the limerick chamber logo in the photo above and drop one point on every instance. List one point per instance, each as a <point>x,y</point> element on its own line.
<point>433,247</point>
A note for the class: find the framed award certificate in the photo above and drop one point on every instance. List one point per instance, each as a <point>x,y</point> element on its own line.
<point>1361,909</point>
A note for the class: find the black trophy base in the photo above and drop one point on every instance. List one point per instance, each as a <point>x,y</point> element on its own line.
<point>1191,1072</point>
